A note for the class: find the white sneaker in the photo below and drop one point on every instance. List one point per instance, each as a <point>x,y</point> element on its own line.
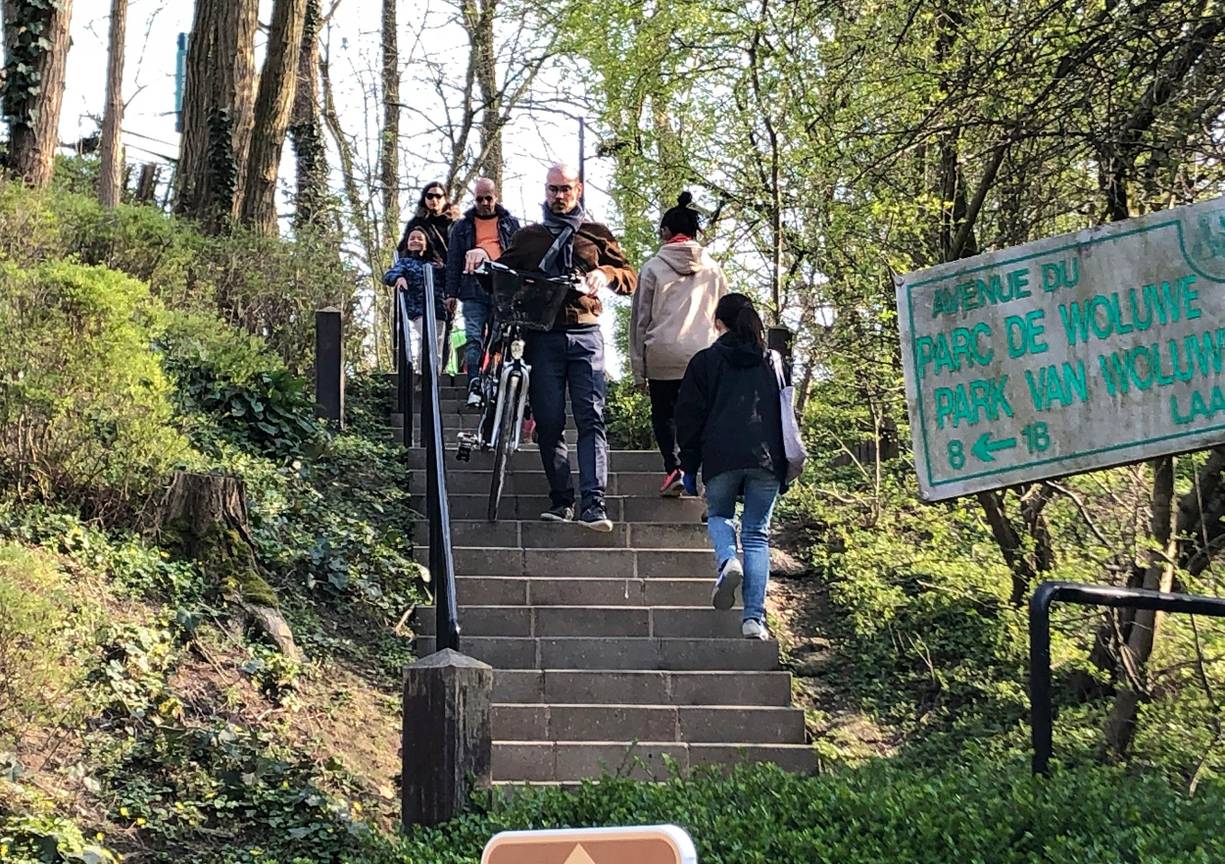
<point>474,399</point>
<point>731,574</point>
<point>752,629</point>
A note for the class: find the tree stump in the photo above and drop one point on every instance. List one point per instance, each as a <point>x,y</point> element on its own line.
<point>206,516</point>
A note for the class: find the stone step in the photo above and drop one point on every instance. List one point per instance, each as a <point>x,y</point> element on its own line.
<point>549,621</point>
<point>566,761</point>
<point>595,686</point>
<point>566,591</point>
<point>620,508</point>
<point>530,480</point>
<point>580,563</point>
<point>528,459</point>
<point>570,652</point>
<point>547,535</point>
<point>706,724</point>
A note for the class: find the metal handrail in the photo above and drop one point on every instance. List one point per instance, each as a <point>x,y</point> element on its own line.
<point>438,511</point>
<point>1086,595</point>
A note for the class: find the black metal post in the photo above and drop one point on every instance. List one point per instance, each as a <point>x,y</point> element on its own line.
<point>1040,675</point>
<point>404,375</point>
<point>1086,595</point>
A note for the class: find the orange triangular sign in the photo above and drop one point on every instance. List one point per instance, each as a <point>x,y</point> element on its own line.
<point>579,856</point>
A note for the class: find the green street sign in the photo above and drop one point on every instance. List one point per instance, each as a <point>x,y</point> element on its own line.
<point>1067,354</point>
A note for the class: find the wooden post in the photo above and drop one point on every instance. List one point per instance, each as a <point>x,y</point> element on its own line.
<point>329,367</point>
<point>146,188</point>
<point>447,745</point>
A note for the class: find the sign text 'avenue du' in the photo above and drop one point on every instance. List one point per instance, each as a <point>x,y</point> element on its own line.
<point>1067,354</point>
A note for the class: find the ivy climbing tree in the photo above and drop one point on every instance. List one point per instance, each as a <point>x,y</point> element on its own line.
<point>35,56</point>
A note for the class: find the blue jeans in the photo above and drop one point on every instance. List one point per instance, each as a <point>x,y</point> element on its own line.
<point>574,360</point>
<point>477,313</point>
<point>760,491</point>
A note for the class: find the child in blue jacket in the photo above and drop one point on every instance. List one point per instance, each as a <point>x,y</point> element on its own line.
<point>408,274</point>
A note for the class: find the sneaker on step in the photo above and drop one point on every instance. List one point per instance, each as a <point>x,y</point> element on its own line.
<point>753,629</point>
<point>596,518</point>
<point>673,485</point>
<point>731,574</point>
<point>560,513</point>
<point>474,394</point>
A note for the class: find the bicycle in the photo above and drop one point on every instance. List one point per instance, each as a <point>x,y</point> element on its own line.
<point>523,302</point>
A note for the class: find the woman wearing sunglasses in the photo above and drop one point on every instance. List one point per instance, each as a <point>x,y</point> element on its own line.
<point>434,217</point>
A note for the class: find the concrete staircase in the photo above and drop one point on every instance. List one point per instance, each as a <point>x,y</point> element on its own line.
<point>608,656</point>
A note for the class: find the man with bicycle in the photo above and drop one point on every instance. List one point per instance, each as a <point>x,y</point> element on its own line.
<point>571,354</point>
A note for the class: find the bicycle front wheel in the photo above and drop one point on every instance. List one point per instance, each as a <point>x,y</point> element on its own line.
<point>504,445</point>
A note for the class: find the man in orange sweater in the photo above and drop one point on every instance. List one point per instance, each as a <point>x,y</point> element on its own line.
<point>485,229</point>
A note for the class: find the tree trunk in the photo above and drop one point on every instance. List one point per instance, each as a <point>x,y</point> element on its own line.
<point>205,515</point>
<point>146,186</point>
<point>482,38</point>
<point>1121,725</point>
<point>218,110</point>
<point>306,131</point>
<point>273,106</point>
<point>389,160</point>
<point>110,150</point>
<point>36,55</point>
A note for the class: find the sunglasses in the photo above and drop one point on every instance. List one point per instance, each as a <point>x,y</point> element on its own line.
<point>559,190</point>
<point>431,195</point>
<point>480,198</point>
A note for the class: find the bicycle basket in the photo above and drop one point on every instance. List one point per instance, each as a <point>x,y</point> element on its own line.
<point>531,300</point>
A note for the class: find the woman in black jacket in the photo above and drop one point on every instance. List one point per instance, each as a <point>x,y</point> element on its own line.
<point>729,423</point>
<point>434,218</point>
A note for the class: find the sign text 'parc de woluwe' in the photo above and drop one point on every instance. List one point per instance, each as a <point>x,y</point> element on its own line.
<point>1067,354</point>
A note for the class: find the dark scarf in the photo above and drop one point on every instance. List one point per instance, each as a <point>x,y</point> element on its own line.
<point>559,260</point>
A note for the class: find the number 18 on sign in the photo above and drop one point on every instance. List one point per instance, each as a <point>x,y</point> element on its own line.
<point>1067,354</point>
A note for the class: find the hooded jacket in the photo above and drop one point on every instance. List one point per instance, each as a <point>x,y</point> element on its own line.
<point>673,313</point>
<point>727,414</point>
<point>595,247</point>
<point>463,285</point>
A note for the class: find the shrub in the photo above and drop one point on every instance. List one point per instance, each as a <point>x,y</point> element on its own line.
<point>248,392</point>
<point>269,286</point>
<point>84,404</point>
<point>628,415</point>
<point>138,240</point>
<point>272,287</point>
<point>985,813</point>
<point>41,666</point>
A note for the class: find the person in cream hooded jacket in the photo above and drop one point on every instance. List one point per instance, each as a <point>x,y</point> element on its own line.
<point>672,319</point>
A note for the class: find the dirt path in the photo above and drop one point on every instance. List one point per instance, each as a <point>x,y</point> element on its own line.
<point>801,616</point>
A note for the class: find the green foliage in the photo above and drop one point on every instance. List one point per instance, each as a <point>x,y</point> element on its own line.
<point>267,286</point>
<point>131,564</point>
<point>84,405</point>
<point>627,413</point>
<point>991,814</point>
<point>229,376</point>
<point>42,665</point>
<point>231,794</point>
<point>48,839</point>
